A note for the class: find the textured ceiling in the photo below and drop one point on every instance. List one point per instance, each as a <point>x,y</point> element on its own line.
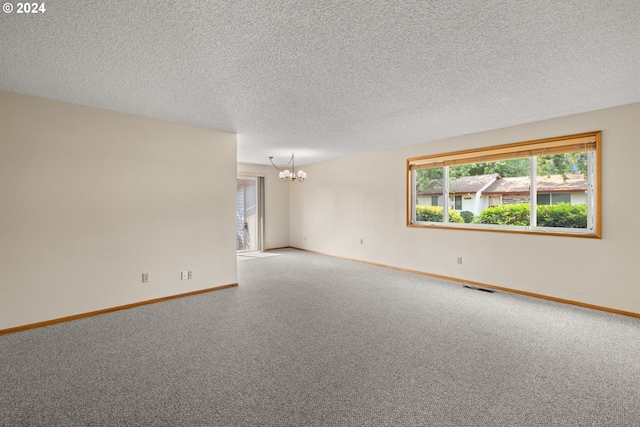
<point>327,78</point>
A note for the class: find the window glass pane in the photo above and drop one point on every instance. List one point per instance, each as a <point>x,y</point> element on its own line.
<point>561,185</point>
<point>544,199</point>
<point>560,198</point>
<point>494,193</point>
<point>429,194</point>
<point>457,204</point>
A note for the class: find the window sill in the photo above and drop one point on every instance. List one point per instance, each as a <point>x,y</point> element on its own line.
<point>513,230</point>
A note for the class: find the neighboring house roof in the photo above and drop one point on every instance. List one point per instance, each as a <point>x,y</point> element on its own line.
<point>575,182</point>
<point>495,184</point>
<point>466,184</point>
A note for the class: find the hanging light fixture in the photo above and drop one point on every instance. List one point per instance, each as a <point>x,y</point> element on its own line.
<point>286,174</point>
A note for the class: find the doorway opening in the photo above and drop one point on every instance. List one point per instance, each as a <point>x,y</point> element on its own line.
<point>249,213</point>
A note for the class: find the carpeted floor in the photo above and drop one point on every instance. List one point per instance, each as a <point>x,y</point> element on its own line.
<point>310,340</point>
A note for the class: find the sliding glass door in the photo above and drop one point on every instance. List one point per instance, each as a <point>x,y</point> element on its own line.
<point>249,213</point>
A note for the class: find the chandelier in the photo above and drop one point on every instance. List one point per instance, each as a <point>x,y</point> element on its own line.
<point>286,174</point>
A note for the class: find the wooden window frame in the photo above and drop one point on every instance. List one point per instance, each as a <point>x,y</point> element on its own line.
<point>589,141</point>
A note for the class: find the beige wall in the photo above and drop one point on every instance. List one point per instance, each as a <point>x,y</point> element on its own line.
<point>276,203</point>
<point>91,199</point>
<point>363,197</point>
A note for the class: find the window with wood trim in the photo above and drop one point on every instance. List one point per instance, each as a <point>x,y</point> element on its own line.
<point>548,186</point>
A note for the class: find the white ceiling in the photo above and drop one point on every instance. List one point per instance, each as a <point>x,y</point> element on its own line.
<point>329,78</point>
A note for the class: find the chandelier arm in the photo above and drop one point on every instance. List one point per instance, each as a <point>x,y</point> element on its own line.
<point>293,168</point>
<point>285,166</point>
<point>273,164</point>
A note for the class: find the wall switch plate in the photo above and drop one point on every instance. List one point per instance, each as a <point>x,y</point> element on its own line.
<point>190,274</point>
<point>184,275</point>
<point>145,277</point>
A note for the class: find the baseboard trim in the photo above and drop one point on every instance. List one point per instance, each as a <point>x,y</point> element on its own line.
<point>109,310</point>
<point>486,285</point>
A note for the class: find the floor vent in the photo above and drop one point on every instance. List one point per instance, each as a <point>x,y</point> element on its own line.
<point>478,288</point>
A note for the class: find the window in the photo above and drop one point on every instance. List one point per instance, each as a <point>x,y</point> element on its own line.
<point>560,198</point>
<point>544,199</point>
<point>554,199</point>
<point>549,186</point>
<point>457,202</point>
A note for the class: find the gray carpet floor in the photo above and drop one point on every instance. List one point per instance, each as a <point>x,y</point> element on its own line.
<point>310,340</point>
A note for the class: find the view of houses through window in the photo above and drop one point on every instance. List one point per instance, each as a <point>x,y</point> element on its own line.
<point>557,187</point>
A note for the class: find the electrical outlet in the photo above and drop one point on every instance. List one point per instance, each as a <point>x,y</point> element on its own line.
<point>184,275</point>
<point>190,274</point>
<point>362,241</point>
<point>305,238</point>
<point>460,260</point>
<point>145,277</point>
